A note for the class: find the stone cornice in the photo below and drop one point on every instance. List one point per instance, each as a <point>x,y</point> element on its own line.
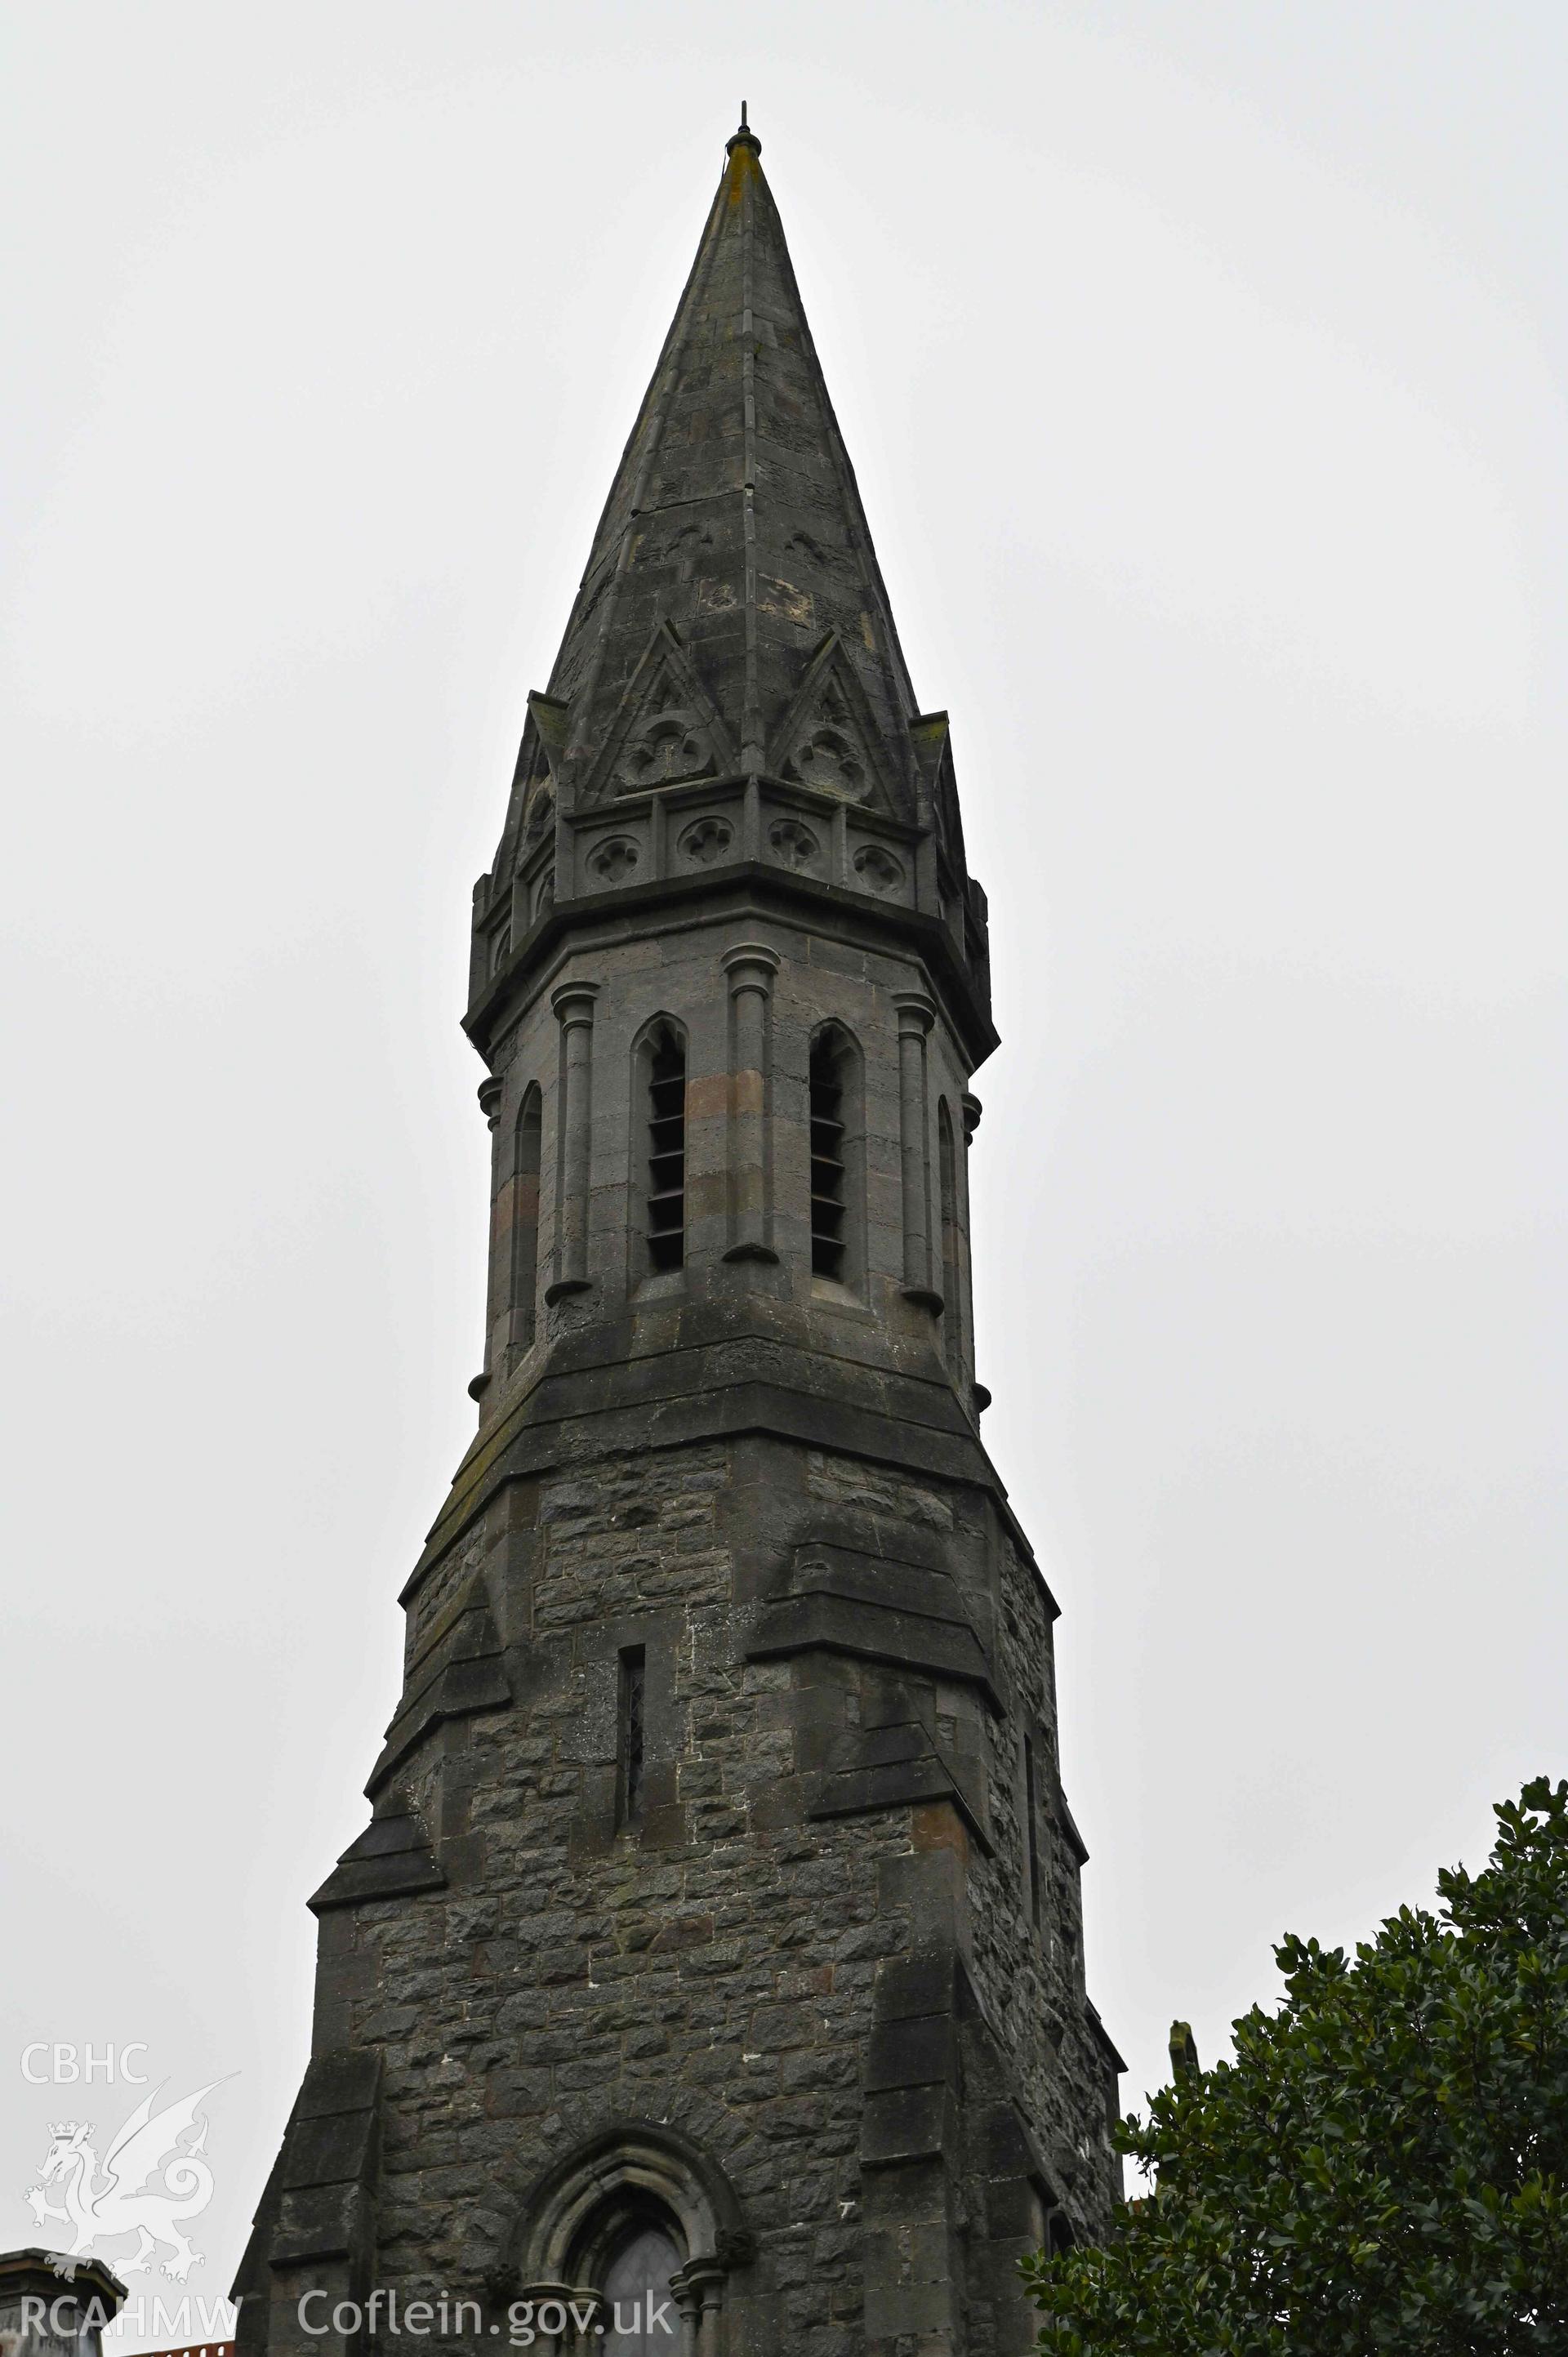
<point>679,902</point>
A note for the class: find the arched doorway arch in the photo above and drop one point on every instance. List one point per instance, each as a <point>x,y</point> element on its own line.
<point>635,2211</point>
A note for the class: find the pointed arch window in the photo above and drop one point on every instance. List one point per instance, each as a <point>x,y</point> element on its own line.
<point>641,2316</point>
<point>639,2227</point>
<point>523,1281</point>
<point>837,1157</point>
<point>662,1067</point>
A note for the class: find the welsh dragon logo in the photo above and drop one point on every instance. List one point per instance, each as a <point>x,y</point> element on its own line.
<point>122,2194</point>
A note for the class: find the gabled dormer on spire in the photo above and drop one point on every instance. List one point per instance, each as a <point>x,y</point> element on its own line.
<point>730,690</point>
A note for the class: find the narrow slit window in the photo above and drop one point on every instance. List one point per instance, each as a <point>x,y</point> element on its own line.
<point>829,1208</point>
<point>1031,1819</point>
<point>667,1152</point>
<point>525,1221</point>
<point>631,1734</point>
<point>953,1306</point>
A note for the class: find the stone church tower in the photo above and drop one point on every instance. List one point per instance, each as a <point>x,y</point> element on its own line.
<point>716,1925</point>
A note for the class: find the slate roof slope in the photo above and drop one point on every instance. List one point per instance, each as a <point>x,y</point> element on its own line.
<point>734,513</point>
<point>731,575</point>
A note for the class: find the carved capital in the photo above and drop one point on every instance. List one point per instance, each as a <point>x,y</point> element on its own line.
<point>751,965</point>
<point>916,1013</point>
<point>573,1003</point>
<point>699,2287</point>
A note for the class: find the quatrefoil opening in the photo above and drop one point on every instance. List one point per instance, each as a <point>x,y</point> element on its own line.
<point>613,860</point>
<point>877,869</point>
<point>706,840</point>
<point>793,842</point>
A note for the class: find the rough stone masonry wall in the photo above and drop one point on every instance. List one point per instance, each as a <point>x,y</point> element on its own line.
<point>1029,1975</point>
<point>723,1984</point>
<point>717,1971</point>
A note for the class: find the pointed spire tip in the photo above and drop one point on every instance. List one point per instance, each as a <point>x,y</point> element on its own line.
<point>744,137</point>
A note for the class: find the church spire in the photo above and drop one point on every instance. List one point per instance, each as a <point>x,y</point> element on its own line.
<point>728,1701</point>
<point>732,622</point>
<point>733,517</point>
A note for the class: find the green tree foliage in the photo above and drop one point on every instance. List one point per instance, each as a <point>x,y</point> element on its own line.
<point>1383,2165</point>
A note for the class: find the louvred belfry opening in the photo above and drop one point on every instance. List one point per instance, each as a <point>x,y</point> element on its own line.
<point>667,1152</point>
<point>828,1206</point>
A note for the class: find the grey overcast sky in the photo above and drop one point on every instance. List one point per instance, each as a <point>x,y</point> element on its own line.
<point>1203,366</point>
